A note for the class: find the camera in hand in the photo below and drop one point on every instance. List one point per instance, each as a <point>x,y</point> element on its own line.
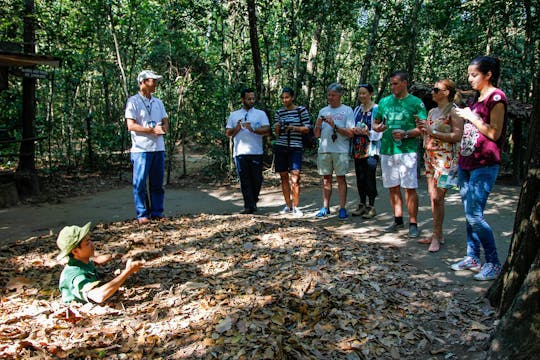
<point>283,128</point>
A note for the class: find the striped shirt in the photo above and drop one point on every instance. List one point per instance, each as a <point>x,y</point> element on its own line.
<point>295,117</point>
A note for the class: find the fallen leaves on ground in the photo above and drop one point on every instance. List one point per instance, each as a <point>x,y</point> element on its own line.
<point>238,287</point>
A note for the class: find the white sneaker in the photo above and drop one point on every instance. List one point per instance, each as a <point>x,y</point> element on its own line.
<point>297,212</point>
<point>286,210</point>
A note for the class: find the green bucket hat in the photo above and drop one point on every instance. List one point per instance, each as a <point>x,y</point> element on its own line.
<point>70,237</point>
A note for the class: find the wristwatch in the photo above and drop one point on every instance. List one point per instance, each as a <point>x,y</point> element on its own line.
<point>406,136</point>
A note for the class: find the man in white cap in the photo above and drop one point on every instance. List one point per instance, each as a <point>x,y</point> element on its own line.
<point>79,280</point>
<point>146,119</point>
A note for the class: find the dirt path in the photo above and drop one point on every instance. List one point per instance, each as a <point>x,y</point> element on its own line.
<point>19,223</point>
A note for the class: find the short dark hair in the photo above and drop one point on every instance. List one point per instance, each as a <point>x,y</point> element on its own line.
<point>336,87</point>
<point>401,74</point>
<point>245,91</point>
<point>288,90</point>
<point>368,87</point>
<point>486,64</point>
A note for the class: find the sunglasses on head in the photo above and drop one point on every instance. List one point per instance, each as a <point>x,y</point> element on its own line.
<point>436,90</point>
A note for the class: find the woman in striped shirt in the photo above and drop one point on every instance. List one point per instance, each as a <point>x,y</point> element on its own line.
<point>291,121</point>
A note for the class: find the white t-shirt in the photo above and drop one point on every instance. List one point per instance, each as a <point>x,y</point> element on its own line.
<point>245,141</point>
<point>343,117</point>
<point>147,113</point>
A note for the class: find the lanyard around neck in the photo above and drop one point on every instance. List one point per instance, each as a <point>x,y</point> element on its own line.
<point>147,104</point>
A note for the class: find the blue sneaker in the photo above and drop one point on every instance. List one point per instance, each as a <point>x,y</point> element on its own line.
<point>343,214</point>
<point>323,212</point>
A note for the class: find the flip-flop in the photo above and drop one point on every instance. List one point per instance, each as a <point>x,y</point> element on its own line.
<point>425,241</point>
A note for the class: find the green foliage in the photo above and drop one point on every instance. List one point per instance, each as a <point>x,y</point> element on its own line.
<point>202,48</point>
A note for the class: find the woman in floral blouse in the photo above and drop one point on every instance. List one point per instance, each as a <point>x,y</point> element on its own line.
<point>442,131</point>
<point>366,145</point>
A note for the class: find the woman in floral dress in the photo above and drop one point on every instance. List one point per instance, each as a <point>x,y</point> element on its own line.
<point>442,131</point>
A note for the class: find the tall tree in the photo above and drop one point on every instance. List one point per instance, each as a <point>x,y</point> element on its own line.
<point>26,175</point>
<point>255,48</point>
<point>372,42</point>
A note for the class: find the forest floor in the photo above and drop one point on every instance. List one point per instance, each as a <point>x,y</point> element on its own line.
<point>218,285</point>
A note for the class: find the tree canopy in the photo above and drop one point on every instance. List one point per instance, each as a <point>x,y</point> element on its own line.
<point>205,49</point>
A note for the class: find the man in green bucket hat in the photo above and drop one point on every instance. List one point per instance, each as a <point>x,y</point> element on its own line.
<point>79,279</point>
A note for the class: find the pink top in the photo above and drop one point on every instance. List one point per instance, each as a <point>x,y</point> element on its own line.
<point>476,149</point>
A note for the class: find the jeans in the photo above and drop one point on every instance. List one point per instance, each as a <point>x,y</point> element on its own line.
<point>474,188</point>
<point>249,169</point>
<point>151,166</point>
<point>366,169</point>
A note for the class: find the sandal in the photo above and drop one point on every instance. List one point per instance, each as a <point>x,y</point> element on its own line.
<point>425,241</point>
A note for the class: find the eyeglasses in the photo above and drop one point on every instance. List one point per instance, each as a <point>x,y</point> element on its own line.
<point>436,90</point>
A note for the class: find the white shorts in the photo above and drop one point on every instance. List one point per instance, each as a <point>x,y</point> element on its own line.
<point>400,169</point>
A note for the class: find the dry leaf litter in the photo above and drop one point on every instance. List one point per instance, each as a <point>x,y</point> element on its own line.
<point>239,287</point>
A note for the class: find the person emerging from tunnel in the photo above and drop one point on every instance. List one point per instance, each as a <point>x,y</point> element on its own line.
<point>79,280</point>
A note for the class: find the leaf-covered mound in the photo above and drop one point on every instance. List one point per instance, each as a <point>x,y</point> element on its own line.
<point>238,287</point>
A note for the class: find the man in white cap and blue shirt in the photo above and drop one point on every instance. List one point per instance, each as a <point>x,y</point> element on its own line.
<point>146,119</point>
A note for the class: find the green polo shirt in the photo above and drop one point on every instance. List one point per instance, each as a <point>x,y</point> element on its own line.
<point>399,114</point>
<point>76,280</point>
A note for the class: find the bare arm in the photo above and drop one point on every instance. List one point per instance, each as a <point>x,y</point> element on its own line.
<point>348,132</point>
<point>318,127</point>
<point>231,132</point>
<point>105,291</point>
<point>493,130</point>
<point>378,125</point>
<point>133,126</point>
<point>300,129</point>
<point>165,124</point>
<point>263,130</point>
<point>451,137</point>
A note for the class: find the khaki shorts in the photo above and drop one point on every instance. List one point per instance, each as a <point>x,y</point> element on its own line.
<point>400,169</point>
<point>327,163</point>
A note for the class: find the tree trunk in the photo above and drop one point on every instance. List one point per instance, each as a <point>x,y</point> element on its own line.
<point>26,176</point>
<point>311,66</point>
<point>372,42</point>
<point>255,49</point>
<point>516,293</point>
<point>413,43</point>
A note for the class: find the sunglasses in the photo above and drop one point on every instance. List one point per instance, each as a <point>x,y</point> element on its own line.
<point>436,90</point>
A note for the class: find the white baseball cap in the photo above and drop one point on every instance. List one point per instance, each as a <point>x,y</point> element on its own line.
<point>147,74</point>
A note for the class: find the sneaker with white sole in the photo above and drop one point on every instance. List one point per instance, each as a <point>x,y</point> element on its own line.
<point>370,213</point>
<point>468,263</point>
<point>286,210</point>
<point>489,271</point>
<point>360,210</point>
<point>297,212</point>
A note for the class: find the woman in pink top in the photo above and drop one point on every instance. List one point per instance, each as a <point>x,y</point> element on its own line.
<point>478,164</point>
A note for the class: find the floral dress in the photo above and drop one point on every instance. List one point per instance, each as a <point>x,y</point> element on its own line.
<point>439,156</point>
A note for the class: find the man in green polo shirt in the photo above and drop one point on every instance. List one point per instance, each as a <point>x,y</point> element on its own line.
<point>79,280</point>
<point>397,119</point>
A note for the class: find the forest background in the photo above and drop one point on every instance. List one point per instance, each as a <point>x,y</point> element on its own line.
<point>208,50</point>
